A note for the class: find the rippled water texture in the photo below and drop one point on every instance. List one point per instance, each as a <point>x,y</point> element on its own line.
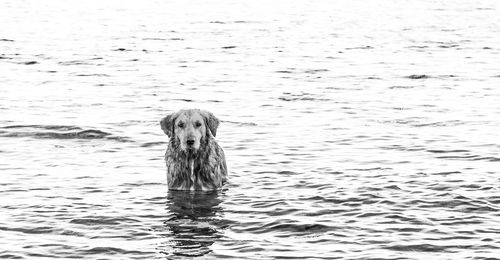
<point>352,129</point>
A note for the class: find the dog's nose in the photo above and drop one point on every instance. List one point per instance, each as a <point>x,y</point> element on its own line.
<point>190,142</point>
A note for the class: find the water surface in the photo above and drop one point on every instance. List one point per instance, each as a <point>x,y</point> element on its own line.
<point>352,129</point>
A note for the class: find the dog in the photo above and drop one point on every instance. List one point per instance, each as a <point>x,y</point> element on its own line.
<point>194,159</point>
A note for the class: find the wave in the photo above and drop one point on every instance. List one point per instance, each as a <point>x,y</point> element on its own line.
<point>56,132</point>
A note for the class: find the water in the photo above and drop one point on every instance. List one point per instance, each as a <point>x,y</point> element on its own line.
<point>352,129</point>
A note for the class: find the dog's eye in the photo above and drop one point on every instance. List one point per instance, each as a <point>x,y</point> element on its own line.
<point>197,124</point>
<point>181,125</point>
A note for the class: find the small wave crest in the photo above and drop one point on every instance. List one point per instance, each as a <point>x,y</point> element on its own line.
<point>93,221</point>
<point>56,132</point>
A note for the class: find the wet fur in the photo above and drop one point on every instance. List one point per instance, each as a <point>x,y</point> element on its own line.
<point>203,169</point>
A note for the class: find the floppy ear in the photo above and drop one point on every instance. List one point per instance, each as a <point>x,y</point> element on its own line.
<point>211,121</point>
<point>167,124</point>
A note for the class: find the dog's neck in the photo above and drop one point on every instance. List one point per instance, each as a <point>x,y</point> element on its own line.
<point>191,157</point>
<point>192,154</point>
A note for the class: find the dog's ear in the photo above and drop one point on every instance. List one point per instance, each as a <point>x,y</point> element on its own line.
<point>211,121</point>
<point>167,124</point>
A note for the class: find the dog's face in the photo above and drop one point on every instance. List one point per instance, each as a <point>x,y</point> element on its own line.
<point>189,130</point>
<point>190,127</point>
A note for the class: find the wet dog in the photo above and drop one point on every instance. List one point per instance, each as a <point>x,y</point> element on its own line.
<point>194,159</point>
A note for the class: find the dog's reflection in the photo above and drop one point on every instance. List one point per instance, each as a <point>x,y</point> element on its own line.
<point>194,221</point>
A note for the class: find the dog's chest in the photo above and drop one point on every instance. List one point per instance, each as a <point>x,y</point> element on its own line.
<point>190,174</point>
<point>193,170</point>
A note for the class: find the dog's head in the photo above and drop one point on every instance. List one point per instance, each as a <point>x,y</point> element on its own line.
<point>190,128</point>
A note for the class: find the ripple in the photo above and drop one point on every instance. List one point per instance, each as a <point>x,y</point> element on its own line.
<point>151,144</point>
<point>288,227</point>
<point>75,62</point>
<point>154,39</point>
<point>34,230</point>
<point>240,123</point>
<point>418,76</point>
<point>121,49</point>
<point>61,132</point>
<point>448,151</point>
<point>92,75</point>
<point>366,47</point>
<point>422,248</point>
<point>10,256</point>
<point>315,71</point>
<point>112,251</point>
<point>297,97</point>
<point>441,123</point>
<point>102,220</point>
<point>402,87</point>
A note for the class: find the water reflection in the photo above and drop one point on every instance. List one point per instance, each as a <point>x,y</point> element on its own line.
<point>194,222</point>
